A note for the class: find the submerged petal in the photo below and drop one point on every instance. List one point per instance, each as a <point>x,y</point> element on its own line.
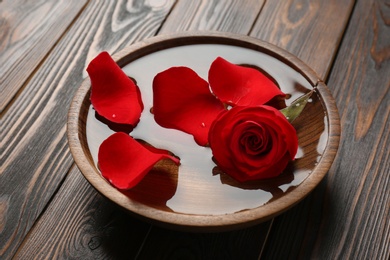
<point>113,94</point>
<point>182,100</point>
<point>241,86</point>
<point>124,162</point>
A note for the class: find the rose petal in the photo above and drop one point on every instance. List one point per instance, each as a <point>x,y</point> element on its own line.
<point>241,86</point>
<point>124,162</point>
<point>113,94</point>
<point>182,100</point>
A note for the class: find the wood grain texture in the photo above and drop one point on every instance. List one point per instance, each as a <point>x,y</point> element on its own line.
<point>34,153</point>
<point>93,229</point>
<point>361,184</point>
<point>26,39</point>
<point>311,30</point>
<point>158,232</point>
<point>245,244</point>
<point>347,217</point>
<point>226,16</point>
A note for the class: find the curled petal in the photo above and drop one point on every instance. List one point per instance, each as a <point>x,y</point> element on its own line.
<point>182,100</point>
<point>241,86</point>
<point>113,94</point>
<point>124,162</point>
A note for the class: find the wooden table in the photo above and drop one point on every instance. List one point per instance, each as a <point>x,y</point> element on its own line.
<point>47,208</point>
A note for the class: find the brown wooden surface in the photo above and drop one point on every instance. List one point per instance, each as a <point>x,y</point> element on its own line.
<point>213,15</point>
<point>28,31</point>
<point>347,217</point>
<point>311,30</point>
<point>47,209</point>
<point>35,156</point>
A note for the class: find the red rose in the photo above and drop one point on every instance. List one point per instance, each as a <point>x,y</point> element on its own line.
<point>252,142</point>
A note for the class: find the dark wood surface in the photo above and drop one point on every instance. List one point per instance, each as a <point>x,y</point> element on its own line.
<point>48,210</point>
<point>28,32</point>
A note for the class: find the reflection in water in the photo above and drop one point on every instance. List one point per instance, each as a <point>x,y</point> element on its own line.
<point>116,127</point>
<point>196,187</point>
<point>270,185</point>
<point>158,186</point>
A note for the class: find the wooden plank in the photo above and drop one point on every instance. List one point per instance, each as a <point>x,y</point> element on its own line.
<point>226,16</point>
<point>168,244</point>
<point>311,30</point>
<point>34,154</point>
<point>93,229</point>
<point>353,205</point>
<point>28,31</point>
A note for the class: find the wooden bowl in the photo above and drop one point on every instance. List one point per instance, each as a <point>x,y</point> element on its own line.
<point>193,196</point>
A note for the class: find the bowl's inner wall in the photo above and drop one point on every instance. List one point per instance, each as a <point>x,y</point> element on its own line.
<point>194,188</point>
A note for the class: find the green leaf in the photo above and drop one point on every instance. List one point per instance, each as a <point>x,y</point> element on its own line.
<point>295,109</point>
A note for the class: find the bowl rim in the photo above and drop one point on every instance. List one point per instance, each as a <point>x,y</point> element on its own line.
<point>190,222</point>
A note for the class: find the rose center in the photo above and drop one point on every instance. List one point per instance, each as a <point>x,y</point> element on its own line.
<point>255,141</point>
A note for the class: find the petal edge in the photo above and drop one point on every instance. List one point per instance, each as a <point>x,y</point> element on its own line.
<point>241,86</point>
